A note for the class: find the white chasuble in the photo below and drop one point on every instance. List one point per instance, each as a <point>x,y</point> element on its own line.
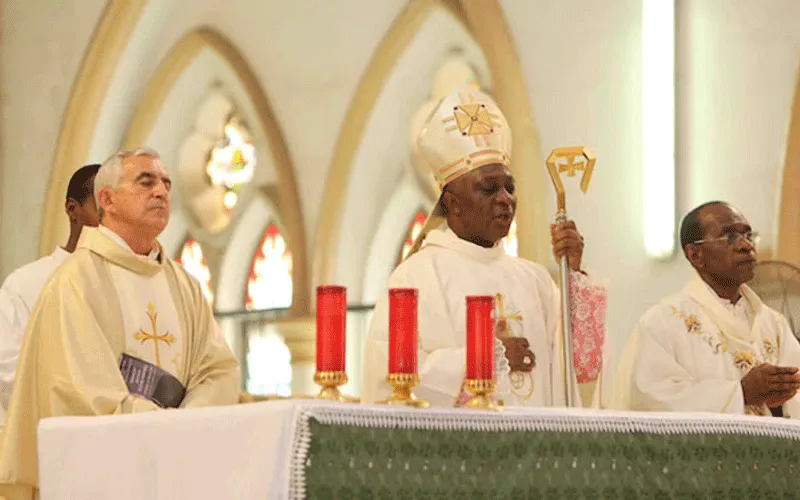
<point>691,351</point>
<point>445,272</point>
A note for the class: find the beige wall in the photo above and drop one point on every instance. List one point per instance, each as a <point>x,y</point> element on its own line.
<point>736,69</point>
<point>43,43</point>
<point>581,59</point>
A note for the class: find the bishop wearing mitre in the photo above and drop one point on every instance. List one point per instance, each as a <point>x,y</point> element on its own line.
<point>466,141</point>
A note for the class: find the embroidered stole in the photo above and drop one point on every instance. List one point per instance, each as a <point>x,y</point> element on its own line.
<point>747,348</point>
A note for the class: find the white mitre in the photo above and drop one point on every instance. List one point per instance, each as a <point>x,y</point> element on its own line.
<point>464,132</point>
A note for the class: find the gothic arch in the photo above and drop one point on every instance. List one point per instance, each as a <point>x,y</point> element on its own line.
<point>485,22</point>
<point>167,73</point>
<point>238,256</point>
<point>92,84</point>
<point>83,110</point>
<point>388,239</point>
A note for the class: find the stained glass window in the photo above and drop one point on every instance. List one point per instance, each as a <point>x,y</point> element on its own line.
<point>269,286</point>
<point>232,163</point>
<point>269,364</point>
<point>193,261</point>
<point>270,283</point>
<point>510,241</point>
<point>413,231</point>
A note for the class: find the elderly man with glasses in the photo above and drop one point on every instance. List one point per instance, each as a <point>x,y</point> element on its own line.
<point>714,346</point>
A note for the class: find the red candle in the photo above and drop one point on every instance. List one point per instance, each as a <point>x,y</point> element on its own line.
<point>480,337</point>
<point>331,328</point>
<point>403,330</point>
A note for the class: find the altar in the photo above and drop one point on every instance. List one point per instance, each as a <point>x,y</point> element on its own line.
<point>295,449</point>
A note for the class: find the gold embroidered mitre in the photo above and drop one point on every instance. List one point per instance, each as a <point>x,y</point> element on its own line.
<point>465,131</point>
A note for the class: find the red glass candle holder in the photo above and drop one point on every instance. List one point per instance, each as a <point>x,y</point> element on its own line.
<point>403,330</point>
<point>480,352</point>
<point>480,337</point>
<point>331,328</point>
<point>403,347</point>
<point>331,341</point>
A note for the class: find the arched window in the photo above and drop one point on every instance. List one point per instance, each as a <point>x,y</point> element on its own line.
<point>413,231</point>
<point>510,241</point>
<point>232,164</point>
<point>269,361</point>
<point>193,261</point>
<point>270,283</point>
<point>269,364</point>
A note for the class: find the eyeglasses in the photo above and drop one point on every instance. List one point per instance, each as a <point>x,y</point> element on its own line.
<point>731,239</point>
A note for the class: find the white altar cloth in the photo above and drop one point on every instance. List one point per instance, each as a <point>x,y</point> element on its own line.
<point>230,452</point>
<point>247,451</point>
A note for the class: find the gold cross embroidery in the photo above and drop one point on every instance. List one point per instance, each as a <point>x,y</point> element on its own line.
<point>503,318</point>
<point>143,336</point>
<point>473,119</point>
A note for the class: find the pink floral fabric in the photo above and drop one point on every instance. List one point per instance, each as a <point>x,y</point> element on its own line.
<point>588,305</point>
<point>463,398</point>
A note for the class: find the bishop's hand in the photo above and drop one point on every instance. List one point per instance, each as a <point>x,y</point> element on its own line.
<point>520,357</point>
<point>566,240</point>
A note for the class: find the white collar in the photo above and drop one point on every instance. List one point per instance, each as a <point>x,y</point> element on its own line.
<point>445,237</point>
<point>59,254</point>
<point>742,309</point>
<point>153,255</point>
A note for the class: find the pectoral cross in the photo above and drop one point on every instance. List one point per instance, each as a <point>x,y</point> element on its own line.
<point>143,336</point>
<point>503,317</point>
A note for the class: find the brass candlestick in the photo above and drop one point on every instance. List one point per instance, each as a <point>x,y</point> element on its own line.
<point>330,382</point>
<point>401,394</point>
<point>482,390</point>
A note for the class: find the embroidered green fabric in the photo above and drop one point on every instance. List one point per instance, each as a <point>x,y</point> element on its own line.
<point>398,463</point>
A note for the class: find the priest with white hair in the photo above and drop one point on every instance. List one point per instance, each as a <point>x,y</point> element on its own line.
<point>467,143</point>
<point>117,309</point>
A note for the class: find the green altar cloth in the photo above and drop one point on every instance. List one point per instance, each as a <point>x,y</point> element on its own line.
<point>408,462</point>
